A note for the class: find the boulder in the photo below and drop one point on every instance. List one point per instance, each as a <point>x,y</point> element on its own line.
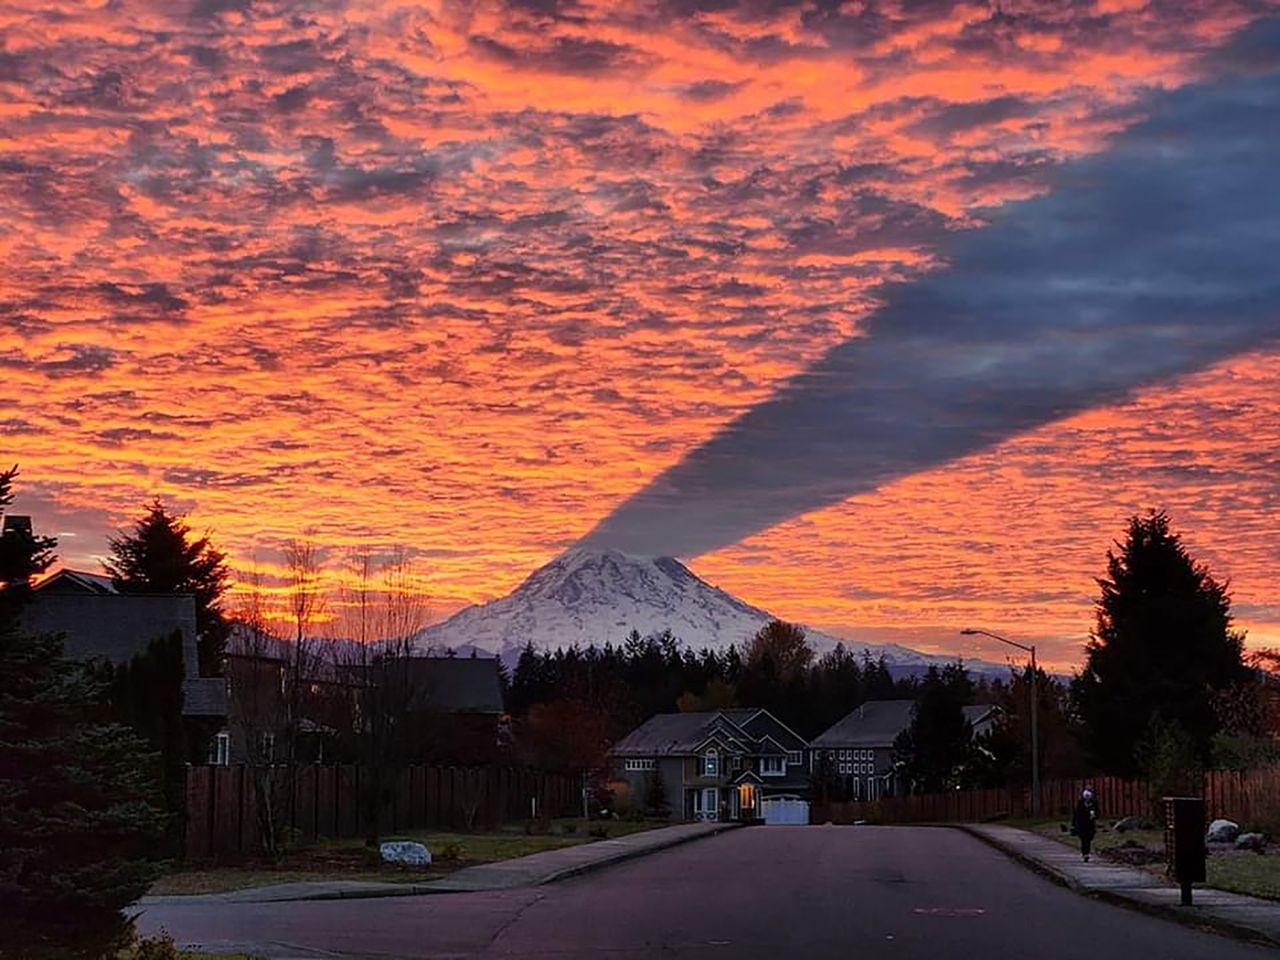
<point>407,852</point>
<point>1223,831</point>
<point>1252,841</point>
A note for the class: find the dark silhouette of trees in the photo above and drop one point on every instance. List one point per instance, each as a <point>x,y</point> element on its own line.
<point>630,682</point>
<point>81,817</point>
<point>935,752</point>
<point>23,555</point>
<point>1162,646</point>
<point>159,555</point>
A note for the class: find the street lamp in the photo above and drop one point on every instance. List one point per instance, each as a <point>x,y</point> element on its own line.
<point>1035,729</point>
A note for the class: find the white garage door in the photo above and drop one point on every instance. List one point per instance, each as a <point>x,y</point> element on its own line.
<point>785,810</point>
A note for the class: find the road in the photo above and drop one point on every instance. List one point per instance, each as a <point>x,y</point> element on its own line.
<point>898,893</point>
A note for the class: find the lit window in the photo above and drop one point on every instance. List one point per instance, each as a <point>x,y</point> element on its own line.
<point>711,764</point>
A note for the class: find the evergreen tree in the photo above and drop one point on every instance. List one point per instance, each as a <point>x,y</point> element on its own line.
<point>1162,647</point>
<point>655,797</point>
<point>146,694</point>
<point>23,556</point>
<point>935,751</point>
<point>160,556</point>
<point>80,810</point>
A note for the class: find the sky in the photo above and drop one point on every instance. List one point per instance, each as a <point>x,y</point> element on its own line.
<point>883,316</point>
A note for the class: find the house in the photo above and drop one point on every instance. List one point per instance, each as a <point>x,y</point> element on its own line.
<point>716,765</point>
<point>447,710</point>
<point>97,622</point>
<point>859,746</point>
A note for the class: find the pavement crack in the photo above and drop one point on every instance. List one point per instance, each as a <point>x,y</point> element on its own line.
<point>512,921</point>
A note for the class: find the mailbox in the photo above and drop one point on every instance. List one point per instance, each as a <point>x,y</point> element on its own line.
<point>1184,841</point>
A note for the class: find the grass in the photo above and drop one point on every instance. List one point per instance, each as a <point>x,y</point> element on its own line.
<point>1238,871</point>
<point>350,859</point>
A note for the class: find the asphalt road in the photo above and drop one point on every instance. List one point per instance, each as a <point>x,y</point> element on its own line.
<point>898,893</point>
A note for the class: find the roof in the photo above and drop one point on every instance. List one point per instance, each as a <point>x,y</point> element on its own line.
<point>875,723</point>
<point>673,734</point>
<point>111,626</point>
<point>689,734</point>
<point>78,581</point>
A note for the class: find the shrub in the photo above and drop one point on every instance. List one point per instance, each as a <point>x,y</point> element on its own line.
<point>452,851</point>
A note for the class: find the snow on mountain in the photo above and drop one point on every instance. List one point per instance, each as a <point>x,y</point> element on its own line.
<point>588,596</point>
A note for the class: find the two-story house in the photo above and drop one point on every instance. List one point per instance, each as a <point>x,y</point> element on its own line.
<point>859,746</point>
<point>722,764</point>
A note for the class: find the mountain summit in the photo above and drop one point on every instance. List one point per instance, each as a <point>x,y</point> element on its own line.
<point>587,596</point>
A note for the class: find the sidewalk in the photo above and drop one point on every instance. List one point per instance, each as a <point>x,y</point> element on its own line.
<point>1233,913</point>
<point>533,870</point>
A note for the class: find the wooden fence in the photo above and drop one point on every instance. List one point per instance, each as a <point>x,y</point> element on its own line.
<point>1249,797</point>
<point>322,800</point>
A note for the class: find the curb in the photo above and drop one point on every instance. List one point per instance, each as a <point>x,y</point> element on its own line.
<point>624,856</point>
<point>1203,922</point>
<point>439,887</point>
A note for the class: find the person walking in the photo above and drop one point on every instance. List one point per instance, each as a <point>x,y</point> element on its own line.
<point>1084,822</point>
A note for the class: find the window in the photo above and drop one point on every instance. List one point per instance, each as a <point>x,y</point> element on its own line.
<point>267,746</point>
<point>773,766</point>
<point>711,764</point>
<point>220,749</point>
<point>795,757</point>
<point>844,754</point>
<point>642,763</point>
<point>845,768</point>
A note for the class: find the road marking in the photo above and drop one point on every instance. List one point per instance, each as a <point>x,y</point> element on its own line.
<point>950,911</point>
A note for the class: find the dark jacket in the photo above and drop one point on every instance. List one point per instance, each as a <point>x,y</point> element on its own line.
<point>1084,822</point>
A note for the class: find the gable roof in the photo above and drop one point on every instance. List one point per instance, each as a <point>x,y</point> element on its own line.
<point>674,734</point>
<point>77,581</point>
<point>875,723</point>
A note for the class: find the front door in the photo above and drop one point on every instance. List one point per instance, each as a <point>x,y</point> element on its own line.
<point>706,804</point>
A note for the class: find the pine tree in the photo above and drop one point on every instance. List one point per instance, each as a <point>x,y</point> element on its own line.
<point>655,798</point>
<point>935,750</point>
<point>23,556</point>
<point>1162,646</point>
<point>160,556</point>
<point>80,809</point>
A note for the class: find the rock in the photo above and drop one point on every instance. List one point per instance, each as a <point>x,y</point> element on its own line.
<point>1125,824</point>
<point>407,852</point>
<point>1252,841</point>
<point>1222,831</point>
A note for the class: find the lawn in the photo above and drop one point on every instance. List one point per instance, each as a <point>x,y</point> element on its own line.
<point>350,859</point>
<point>1240,871</point>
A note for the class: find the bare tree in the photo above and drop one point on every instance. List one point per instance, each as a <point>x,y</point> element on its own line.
<point>256,667</point>
<point>306,602</point>
<point>374,649</point>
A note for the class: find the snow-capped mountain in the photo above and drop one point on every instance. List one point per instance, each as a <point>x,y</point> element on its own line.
<point>588,596</point>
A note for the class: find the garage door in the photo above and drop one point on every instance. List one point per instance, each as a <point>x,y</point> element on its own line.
<point>785,810</point>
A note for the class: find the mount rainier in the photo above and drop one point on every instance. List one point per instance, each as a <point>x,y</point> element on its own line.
<point>587,596</point>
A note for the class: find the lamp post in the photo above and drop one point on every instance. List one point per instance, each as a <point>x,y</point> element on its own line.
<point>1035,727</point>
